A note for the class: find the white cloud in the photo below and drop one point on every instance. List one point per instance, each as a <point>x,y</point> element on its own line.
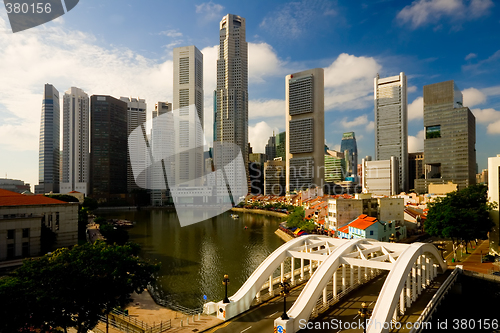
<point>210,11</point>
<point>416,143</point>
<point>358,121</point>
<point>349,82</point>
<point>370,126</point>
<point>421,12</point>
<point>494,128</point>
<point>259,134</point>
<point>416,109</point>
<point>472,97</point>
<point>470,56</point>
<point>171,33</point>
<point>484,65</point>
<point>486,116</point>
<point>411,89</point>
<point>266,108</point>
<point>263,61</point>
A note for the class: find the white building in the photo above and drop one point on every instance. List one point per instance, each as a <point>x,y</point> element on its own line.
<point>494,196</point>
<point>305,129</point>
<point>188,115</point>
<point>391,123</point>
<point>136,116</point>
<point>380,177</point>
<point>76,146</point>
<point>231,105</point>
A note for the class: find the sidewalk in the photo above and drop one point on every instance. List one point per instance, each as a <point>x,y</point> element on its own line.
<point>473,261</point>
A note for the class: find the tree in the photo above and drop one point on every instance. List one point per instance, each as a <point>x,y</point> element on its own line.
<point>461,215</point>
<point>72,288</point>
<point>296,218</point>
<point>63,197</point>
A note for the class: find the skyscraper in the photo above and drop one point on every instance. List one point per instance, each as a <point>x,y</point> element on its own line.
<point>271,148</point>
<point>231,96</point>
<point>75,165</point>
<point>188,115</point>
<point>136,116</point>
<point>48,156</point>
<point>391,123</point>
<point>349,143</point>
<point>305,129</point>
<point>108,147</point>
<point>450,138</point>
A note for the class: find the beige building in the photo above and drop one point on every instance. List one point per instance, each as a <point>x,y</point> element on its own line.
<point>21,217</point>
<point>441,189</point>
<point>305,129</point>
<point>494,196</point>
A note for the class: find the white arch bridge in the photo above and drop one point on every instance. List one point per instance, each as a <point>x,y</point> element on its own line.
<point>339,265</point>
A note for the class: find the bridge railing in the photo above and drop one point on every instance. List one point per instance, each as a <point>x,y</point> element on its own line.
<point>435,301</point>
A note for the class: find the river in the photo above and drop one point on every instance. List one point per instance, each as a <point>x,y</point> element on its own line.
<point>195,258</point>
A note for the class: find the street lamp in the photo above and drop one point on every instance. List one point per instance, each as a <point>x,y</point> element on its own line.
<point>225,282</point>
<point>392,239</point>
<point>364,313</point>
<point>285,290</point>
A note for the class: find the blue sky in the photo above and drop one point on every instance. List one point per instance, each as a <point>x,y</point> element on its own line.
<point>124,48</point>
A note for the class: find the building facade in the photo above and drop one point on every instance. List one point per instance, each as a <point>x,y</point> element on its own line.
<point>281,145</point>
<point>271,148</point>
<point>415,168</point>
<point>450,138</point>
<point>494,196</point>
<point>381,177</point>
<point>231,100</point>
<point>76,150</point>
<point>391,123</point>
<point>49,153</point>
<point>335,166</point>
<point>274,177</point>
<point>108,142</point>
<point>188,116</point>
<point>14,185</point>
<point>349,144</point>
<point>305,129</point>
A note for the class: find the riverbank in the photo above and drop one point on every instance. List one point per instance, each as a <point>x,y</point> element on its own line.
<point>283,235</point>
<point>259,211</point>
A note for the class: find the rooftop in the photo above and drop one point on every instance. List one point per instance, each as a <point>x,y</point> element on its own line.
<point>363,222</point>
<point>9,198</point>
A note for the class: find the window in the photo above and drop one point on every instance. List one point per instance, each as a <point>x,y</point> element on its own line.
<point>371,232</point>
<point>26,249</point>
<point>57,221</point>
<point>10,251</point>
<point>10,234</point>
<point>432,132</point>
<point>26,233</point>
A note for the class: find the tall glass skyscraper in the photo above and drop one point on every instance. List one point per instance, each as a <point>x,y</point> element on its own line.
<point>49,154</point>
<point>349,143</point>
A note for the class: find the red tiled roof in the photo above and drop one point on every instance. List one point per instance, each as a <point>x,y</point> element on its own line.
<point>8,198</point>
<point>321,221</point>
<point>74,192</point>
<point>363,222</point>
<point>344,229</point>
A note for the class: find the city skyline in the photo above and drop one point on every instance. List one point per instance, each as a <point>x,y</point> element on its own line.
<point>98,58</point>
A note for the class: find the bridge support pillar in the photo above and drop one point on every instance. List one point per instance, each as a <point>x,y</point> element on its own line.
<point>359,274</point>
<point>419,275</point>
<point>343,278</point>
<point>281,325</point>
<point>408,291</point>
<point>282,271</point>
<point>271,285</point>
<point>351,276</point>
<point>292,271</point>
<point>310,267</point>
<point>413,283</point>
<point>325,299</point>
<point>366,273</point>
<point>402,302</point>
<point>257,296</point>
<point>334,284</point>
<point>302,268</point>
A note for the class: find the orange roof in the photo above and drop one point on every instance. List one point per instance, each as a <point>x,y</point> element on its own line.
<point>363,222</point>
<point>74,192</point>
<point>8,198</point>
<point>344,229</point>
<point>321,221</point>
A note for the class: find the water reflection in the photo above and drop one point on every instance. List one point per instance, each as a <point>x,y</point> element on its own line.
<point>195,258</point>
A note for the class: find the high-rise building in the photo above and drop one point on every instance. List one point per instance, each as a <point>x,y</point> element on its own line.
<point>188,115</point>
<point>380,177</point>
<point>108,148</point>
<point>231,97</point>
<point>415,168</point>
<point>274,177</point>
<point>256,172</point>
<point>334,166</point>
<point>48,155</point>
<point>136,116</point>
<point>161,137</point>
<point>271,148</point>
<point>494,196</point>
<point>281,145</point>
<point>305,129</point>
<point>450,138</point>
<point>75,164</point>
<point>391,123</point>
<point>349,144</point>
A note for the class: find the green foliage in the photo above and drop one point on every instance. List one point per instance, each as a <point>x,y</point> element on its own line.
<point>63,197</point>
<point>47,239</point>
<point>100,220</point>
<point>296,218</point>
<point>90,204</point>
<point>72,288</point>
<point>114,234</point>
<point>461,215</point>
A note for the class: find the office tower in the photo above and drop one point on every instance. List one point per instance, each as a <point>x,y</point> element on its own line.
<point>281,145</point>
<point>271,148</point>
<point>335,166</point>
<point>380,177</point>
<point>48,155</point>
<point>256,172</point>
<point>450,138</point>
<point>136,116</point>
<point>231,95</point>
<point>494,196</point>
<point>75,164</point>
<point>305,129</point>
<point>188,115</point>
<point>162,132</point>
<point>274,177</point>
<point>391,123</point>
<point>415,168</point>
<point>349,143</point>
<point>108,148</point>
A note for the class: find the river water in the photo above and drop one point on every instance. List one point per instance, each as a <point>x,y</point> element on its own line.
<point>195,258</point>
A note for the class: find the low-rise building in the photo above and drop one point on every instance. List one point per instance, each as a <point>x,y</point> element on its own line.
<point>365,226</point>
<point>14,185</point>
<point>21,220</point>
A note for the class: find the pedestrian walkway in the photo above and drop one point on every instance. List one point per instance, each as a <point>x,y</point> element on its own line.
<point>473,261</point>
